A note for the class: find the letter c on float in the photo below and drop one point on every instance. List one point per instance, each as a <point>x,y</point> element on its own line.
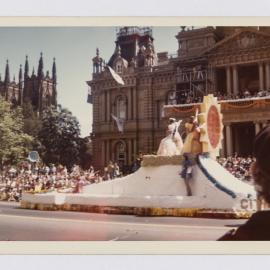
<point>244,203</point>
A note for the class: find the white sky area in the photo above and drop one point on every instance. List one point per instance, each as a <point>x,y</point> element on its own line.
<point>73,48</point>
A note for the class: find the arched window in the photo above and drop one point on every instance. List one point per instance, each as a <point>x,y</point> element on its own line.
<point>121,107</point>
<point>171,98</point>
<point>119,67</point>
<point>121,156</point>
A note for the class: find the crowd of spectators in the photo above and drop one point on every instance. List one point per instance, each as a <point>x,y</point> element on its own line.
<point>27,177</point>
<point>245,94</point>
<point>190,99</point>
<point>111,171</point>
<point>238,166</point>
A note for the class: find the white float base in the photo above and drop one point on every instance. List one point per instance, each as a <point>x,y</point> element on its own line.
<point>157,189</point>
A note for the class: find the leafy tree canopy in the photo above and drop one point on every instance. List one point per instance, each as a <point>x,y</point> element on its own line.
<point>85,152</point>
<point>30,119</point>
<point>14,143</point>
<point>59,135</point>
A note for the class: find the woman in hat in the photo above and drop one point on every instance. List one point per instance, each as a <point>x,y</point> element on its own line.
<point>172,144</point>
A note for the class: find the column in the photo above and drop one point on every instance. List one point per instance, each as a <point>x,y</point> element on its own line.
<point>214,78</point>
<point>103,105</point>
<point>108,106</point>
<point>130,152</point>
<point>228,77</point>
<point>132,90</point>
<point>135,148</point>
<point>107,151</point>
<point>222,150</point>
<point>103,154</point>
<point>235,80</point>
<point>135,103</point>
<point>129,104</point>
<point>261,79</point>
<point>257,127</point>
<point>229,149</point>
<point>267,75</point>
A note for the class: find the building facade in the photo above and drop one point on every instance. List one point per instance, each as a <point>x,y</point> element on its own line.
<point>230,62</point>
<point>39,89</point>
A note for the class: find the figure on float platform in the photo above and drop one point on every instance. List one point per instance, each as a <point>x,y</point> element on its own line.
<point>172,144</point>
<point>186,173</point>
<point>192,143</point>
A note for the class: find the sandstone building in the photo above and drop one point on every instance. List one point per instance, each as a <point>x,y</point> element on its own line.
<point>231,62</point>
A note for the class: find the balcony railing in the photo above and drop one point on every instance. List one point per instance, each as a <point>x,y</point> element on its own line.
<point>226,105</point>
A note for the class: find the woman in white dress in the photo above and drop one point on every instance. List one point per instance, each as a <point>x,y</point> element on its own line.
<point>172,144</point>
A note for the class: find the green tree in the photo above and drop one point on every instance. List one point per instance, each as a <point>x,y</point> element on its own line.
<point>30,119</point>
<point>85,152</point>
<point>59,135</point>
<point>14,143</point>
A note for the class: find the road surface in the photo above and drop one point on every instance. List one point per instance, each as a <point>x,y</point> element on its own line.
<point>31,225</point>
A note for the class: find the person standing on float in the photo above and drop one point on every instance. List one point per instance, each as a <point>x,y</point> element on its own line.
<point>192,143</point>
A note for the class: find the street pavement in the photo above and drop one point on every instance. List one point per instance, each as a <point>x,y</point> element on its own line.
<point>31,225</point>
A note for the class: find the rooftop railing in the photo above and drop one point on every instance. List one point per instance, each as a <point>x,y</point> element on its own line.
<point>128,31</point>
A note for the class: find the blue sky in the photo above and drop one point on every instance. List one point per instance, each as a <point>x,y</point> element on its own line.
<point>73,48</point>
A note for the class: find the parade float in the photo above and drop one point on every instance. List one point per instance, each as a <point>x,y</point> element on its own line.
<point>157,188</point>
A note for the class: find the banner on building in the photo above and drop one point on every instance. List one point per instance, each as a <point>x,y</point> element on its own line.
<point>120,123</point>
<point>116,77</point>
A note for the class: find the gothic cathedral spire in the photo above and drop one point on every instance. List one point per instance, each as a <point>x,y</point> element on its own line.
<point>26,68</point>
<point>20,74</point>
<point>40,67</point>
<point>7,76</point>
<point>54,78</point>
<point>20,98</point>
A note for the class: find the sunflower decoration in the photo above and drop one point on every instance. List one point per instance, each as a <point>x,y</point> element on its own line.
<point>210,121</point>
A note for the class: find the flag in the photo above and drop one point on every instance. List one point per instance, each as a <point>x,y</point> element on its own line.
<point>90,97</point>
<point>120,123</point>
<point>116,77</point>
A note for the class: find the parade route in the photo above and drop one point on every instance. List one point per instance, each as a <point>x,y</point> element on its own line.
<point>31,225</point>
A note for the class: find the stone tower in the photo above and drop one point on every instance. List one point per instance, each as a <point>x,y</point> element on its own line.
<point>40,88</point>
<point>10,90</point>
<point>133,59</point>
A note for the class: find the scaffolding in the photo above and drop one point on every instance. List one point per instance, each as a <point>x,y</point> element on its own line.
<point>134,30</point>
<point>191,84</point>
